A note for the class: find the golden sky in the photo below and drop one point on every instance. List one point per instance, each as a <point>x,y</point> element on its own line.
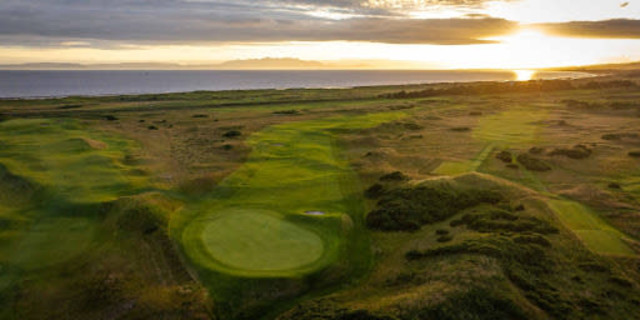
<point>431,34</point>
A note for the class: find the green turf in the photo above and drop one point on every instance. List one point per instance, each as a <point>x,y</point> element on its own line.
<point>52,241</point>
<point>293,168</point>
<point>81,166</point>
<point>513,127</point>
<point>255,240</point>
<point>595,233</point>
<point>55,174</point>
<point>501,130</point>
<point>452,168</point>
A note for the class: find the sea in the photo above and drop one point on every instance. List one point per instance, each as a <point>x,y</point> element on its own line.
<point>16,84</point>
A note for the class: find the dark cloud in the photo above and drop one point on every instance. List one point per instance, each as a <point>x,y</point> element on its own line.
<point>615,28</point>
<point>203,21</point>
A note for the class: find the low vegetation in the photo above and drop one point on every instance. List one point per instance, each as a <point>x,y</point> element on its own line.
<point>443,201</point>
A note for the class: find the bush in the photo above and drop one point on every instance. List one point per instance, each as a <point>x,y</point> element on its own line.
<point>394,176</point>
<point>536,150</point>
<point>445,238</point>
<point>635,154</point>
<point>232,134</point>
<point>577,152</point>
<point>442,232</point>
<point>152,127</point>
<point>375,191</point>
<point>287,112</point>
<point>505,156</point>
<point>477,304</point>
<point>532,239</point>
<point>406,209</point>
<point>532,163</point>
<point>620,136</point>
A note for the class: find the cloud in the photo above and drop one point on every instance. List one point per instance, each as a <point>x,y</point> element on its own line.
<point>206,21</point>
<point>615,29</point>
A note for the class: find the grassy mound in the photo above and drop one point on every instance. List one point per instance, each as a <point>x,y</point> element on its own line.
<point>408,208</point>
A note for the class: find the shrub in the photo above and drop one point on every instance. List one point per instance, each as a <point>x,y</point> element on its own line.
<point>406,209</point>
<point>619,136</point>
<point>445,238</point>
<point>477,303</point>
<point>533,239</point>
<point>532,163</point>
<point>577,152</point>
<point>110,118</point>
<point>232,134</point>
<point>536,150</point>
<point>152,127</point>
<point>505,156</point>
<point>287,112</point>
<point>375,191</point>
<point>442,232</point>
<point>635,154</point>
<point>394,176</point>
<point>614,185</point>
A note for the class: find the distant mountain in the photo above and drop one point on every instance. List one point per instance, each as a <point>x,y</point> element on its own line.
<point>42,66</point>
<point>251,64</point>
<point>271,64</point>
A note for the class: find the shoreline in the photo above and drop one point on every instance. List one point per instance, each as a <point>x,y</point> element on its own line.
<point>571,75</point>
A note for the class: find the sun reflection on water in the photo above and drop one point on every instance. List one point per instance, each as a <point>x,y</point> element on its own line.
<point>524,75</point>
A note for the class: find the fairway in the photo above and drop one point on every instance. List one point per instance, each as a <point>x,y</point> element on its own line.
<point>514,127</point>
<point>253,240</point>
<point>452,168</point>
<point>596,234</point>
<point>500,130</point>
<point>257,225</point>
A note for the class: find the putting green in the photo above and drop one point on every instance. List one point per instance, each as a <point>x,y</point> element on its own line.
<point>258,241</point>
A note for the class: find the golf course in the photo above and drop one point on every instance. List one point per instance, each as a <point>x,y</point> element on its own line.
<point>488,200</point>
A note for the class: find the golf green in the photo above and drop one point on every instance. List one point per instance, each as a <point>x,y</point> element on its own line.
<point>259,241</point>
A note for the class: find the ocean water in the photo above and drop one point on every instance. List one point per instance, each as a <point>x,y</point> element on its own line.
<point>39,84</point>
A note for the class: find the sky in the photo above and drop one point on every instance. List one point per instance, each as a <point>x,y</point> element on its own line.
<point>432,34</point>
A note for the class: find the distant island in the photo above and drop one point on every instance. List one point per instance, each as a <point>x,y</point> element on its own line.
<point>244,64</point>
